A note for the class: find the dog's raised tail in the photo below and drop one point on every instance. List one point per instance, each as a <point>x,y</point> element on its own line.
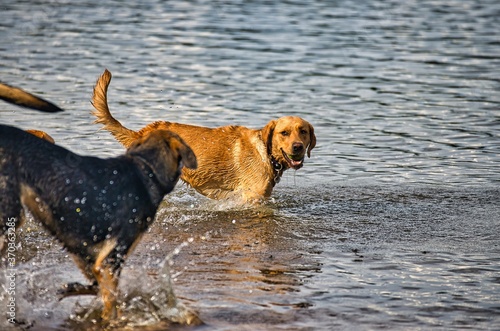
<point>104,117</point>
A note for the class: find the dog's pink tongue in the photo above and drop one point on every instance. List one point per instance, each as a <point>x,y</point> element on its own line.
<point>296,164</point>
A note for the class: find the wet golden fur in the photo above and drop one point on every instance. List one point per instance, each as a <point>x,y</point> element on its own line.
<point>233,161</point>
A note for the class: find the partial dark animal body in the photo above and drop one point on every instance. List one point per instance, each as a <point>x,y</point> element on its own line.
<point>22,98</point>
<point>97,208</point>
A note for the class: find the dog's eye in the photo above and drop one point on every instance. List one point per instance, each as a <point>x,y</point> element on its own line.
<point>284,133</point>
<point>303,131</point>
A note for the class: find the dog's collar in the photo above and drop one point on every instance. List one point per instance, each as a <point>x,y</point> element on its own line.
<point>277,170</point>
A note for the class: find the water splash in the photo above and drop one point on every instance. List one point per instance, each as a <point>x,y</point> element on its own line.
<point>150,304</point>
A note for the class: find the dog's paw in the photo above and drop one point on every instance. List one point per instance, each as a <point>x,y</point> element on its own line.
<point>72,289</point>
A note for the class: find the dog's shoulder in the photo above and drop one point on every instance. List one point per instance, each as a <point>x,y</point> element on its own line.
<point>235,132</point>
<point>157,125</point>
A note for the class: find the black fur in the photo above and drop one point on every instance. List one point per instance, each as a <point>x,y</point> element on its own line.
<point>84,201</point>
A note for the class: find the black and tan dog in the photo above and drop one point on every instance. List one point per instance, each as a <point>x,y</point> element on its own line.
<point>97,208</point>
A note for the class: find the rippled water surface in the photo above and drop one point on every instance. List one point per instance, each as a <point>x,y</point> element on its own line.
<point>394,221</point>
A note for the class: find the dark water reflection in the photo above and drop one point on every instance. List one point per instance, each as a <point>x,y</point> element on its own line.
<point>393,222</point>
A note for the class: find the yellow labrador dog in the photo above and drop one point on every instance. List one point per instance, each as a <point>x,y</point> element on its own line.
<point>233,161</point>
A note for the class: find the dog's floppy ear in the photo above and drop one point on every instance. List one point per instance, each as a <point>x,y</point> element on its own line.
<point>312,142</point>
<point>186,153</point>
<point>267,135</point>
<point>165,153</point>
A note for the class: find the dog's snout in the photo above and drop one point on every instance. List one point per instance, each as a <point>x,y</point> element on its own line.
<point>297,147</point>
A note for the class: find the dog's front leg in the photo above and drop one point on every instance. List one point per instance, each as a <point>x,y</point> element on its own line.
<point>107,279</point>
<point>108,286</point>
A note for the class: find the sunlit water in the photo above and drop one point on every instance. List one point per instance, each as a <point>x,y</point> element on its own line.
<point>392,223</point>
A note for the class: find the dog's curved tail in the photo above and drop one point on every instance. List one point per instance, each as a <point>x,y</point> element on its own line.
<point>100,103</point>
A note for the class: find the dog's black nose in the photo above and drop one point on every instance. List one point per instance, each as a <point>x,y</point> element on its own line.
<point>297,147</point>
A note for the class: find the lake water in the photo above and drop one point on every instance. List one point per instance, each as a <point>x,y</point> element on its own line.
<point>394,221</point>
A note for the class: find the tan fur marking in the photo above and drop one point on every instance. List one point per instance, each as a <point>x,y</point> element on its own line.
<point>108,283</point>
<point>41,135</point>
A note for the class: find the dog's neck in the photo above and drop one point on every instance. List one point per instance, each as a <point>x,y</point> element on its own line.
<point>278,169</point>
<point>149,178</point>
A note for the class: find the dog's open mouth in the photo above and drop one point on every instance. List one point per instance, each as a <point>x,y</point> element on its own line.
<point>294,161</point>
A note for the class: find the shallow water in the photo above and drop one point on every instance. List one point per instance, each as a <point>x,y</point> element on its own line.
<point>392,223</point>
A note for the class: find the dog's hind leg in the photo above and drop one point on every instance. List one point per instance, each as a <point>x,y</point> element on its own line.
<point>11,210</point>
<point>8,226</point>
